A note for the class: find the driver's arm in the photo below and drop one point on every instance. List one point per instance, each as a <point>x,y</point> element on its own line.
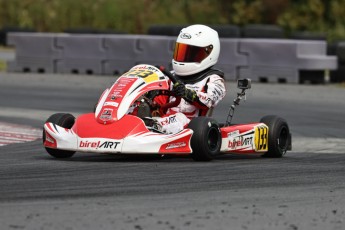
<point>211,94</point>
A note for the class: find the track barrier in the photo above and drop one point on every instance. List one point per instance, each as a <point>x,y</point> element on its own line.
<point>262,59</point>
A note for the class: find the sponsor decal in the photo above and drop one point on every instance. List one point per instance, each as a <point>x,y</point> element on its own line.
<point>233,133</point>
<point>176,145</point>
<point>115,104</point>
<point>185,36</point>
<point>99,144</point>
<point>115,95</point>
<point>144,67</point>
<point>240,141</point>
<point>168,120</point>
<point>121,85</point>
<point>106,114</point>
<point>205,99</point>
<point>125,80</point>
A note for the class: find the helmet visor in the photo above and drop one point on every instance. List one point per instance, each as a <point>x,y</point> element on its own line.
<point>189,53</point>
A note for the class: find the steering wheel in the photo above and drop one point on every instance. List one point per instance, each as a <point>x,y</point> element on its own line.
<point>173,80</point>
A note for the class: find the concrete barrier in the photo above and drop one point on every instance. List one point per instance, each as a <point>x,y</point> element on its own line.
<point>156,50</point>
<point>121,51</point>
<point>34,52</point>
<point>267,60</point>
<point>281,60</point>
<point>230,59</point>
<point>81,54</point>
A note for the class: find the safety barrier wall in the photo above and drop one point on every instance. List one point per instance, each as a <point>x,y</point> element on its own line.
<point>282,60</point>
<point>270,60</point>
<point>34,52</point>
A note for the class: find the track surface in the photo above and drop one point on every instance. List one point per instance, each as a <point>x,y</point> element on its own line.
<point>303,190</point>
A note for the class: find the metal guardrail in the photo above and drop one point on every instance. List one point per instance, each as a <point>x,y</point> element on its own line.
<point>270,60</point>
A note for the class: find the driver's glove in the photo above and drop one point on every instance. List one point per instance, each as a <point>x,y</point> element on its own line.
<point>180,90</point>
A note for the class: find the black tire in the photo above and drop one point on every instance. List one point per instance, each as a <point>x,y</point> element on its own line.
<point>65,120</point>
<point>206,139</point>
<point>279,137</point>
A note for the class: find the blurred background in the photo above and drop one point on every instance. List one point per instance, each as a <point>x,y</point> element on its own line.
<point>292,19</point>
<point>322,17</point>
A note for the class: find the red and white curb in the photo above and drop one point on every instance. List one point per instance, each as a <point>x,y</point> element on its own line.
<point>13,133</point>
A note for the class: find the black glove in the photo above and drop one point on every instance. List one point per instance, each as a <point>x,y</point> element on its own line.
<point>180,90</point>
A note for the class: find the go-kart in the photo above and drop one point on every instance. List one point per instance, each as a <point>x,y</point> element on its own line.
<point>121,124</point>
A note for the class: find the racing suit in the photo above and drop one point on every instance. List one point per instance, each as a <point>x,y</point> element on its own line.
<point>204,91</point>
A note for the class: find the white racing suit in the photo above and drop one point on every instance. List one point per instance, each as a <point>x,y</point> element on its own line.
<point>210,91</point>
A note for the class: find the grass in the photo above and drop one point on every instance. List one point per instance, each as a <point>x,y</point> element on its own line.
<point>5,48</point>
<point>3,66</point>
<point>3,63</point>
<point>342,85</point>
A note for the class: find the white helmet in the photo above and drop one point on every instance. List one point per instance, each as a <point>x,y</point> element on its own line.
<point>197,48</point>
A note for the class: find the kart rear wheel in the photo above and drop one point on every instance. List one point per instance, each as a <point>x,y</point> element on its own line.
<point>64,120</point>
<point>206,139</point>
<point>279,137</point>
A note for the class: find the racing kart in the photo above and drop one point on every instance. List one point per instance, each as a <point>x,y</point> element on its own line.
<point>121,124</point>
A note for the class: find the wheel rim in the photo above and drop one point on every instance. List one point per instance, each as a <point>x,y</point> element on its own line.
<point>212,139</point>
<point>283,139</point>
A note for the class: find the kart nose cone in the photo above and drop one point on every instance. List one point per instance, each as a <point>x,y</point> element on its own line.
<point>107,122</point>
<point>106,116</point>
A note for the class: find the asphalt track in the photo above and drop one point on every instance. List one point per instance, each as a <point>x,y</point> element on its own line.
<point>303,190</point>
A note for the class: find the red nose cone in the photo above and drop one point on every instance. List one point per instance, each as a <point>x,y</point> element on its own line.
<point>106,116</point>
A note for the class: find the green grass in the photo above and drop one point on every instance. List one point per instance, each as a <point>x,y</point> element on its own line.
<point>319,16</point>
<point>3,63</point>
<point>3,66</point>
<point>342,85</point>
<point>5,48</point>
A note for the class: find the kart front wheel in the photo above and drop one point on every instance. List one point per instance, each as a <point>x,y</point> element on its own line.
<point>206,139</point>
<point>279,137</point>
<point>64,120</point>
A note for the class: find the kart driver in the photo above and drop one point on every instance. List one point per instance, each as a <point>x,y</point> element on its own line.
<point>200,86</point>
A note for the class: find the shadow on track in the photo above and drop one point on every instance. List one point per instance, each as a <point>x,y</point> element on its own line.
<point>89,157</point>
